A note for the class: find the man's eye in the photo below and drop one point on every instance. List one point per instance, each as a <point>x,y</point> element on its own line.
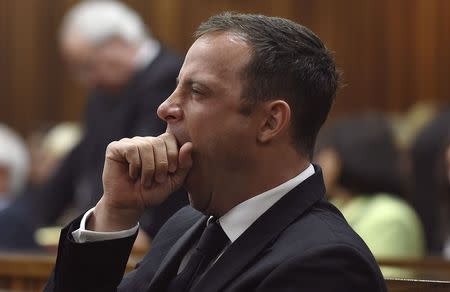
<point>196,91</point>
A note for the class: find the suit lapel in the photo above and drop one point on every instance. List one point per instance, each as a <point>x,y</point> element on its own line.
<point>262,232</point>
<point>170,264</point>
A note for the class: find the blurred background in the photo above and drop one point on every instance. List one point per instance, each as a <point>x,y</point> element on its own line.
<point>393,54</point>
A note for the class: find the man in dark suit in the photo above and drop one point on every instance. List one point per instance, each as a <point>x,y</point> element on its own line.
<point>129,74</point>
<point>241,125</point>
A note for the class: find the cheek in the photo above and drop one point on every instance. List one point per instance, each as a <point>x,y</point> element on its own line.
<point>219,132</point>
<point>108,73</point>
<point>223,134</point>
<point>108,69</point>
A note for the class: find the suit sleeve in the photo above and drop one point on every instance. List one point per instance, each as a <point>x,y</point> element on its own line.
<point>90,266</point>
<point>322,269</point>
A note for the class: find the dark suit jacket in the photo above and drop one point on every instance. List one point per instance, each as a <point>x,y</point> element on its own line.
<point>78,181</point>
<point>302,243</point>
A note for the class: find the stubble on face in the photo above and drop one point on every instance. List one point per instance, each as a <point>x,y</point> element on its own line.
<point>215,123</point>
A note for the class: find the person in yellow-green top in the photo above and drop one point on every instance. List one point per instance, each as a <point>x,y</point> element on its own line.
<point>388,225</point>
<point>362,172</point>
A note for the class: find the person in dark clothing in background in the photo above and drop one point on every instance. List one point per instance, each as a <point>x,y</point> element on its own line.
<point>129,73</point>
<point>424,154</point>
<point>444,194</point>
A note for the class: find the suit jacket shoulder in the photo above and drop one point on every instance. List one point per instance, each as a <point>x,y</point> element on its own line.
<point>317,252</point>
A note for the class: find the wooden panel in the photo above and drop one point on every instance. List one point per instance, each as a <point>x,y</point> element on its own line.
<point>392,53</point>
<point>443,50</point>
<point>5,63</point>
<point>399,69</point>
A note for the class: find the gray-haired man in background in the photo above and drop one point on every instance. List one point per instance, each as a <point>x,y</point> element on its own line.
<point>128,74</point>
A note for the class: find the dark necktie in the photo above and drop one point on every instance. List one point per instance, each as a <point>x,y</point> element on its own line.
<point>210,244</point>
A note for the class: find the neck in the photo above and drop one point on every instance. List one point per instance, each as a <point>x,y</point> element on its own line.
<point>265,175</point>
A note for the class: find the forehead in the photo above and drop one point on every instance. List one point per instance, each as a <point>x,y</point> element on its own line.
<point>73,45</point>
<point>216,57</point>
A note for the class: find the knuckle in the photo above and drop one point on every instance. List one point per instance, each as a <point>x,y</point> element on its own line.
<point>164,135</point>
<point>131,150</point>
<point>112,145</point>
<point>162,164</point>
<point>158,142</point>
<point>148,168</point>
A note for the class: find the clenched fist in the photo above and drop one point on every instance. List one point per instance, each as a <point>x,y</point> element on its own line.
<point>138,173</point>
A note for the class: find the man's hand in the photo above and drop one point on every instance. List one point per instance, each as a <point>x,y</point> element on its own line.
<point>138,173</point>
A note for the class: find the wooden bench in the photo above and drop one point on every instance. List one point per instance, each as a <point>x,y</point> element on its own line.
<point>30,272</point>
<point>427,268</point>
<point>25,272</point>
<point>415,285</point>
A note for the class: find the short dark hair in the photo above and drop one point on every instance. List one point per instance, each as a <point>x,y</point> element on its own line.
<point>288,61</point>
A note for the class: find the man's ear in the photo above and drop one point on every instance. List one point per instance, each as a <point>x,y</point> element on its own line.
<point>276,119</point>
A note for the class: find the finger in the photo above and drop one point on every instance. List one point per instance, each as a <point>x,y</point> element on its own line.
<point>146,156</point>
<point>161,159</point>
<point>147,160</point>
<point>184,164</point>
<point>172,151</point>
<point>130,152</point>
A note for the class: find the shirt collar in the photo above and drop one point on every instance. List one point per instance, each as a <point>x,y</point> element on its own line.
<point>242,216</point>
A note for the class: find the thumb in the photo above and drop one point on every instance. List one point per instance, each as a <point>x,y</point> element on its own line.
<point>184,164</point>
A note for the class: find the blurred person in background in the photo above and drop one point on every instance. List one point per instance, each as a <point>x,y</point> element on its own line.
<point>425,155</point>
<point>444,190</point>
<point>128,73</point>
<point>361,169</point>
<point>14,165</point>
<point>48,147</point>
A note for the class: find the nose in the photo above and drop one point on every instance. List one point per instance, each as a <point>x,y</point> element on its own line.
<point>170,110</point>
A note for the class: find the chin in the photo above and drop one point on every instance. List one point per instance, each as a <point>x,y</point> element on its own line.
<point>200,202</point>
<point>199,196</point>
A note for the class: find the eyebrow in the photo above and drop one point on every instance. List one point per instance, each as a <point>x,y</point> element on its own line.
<point>190,82</point>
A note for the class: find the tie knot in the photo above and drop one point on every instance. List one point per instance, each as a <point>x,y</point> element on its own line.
<point>213,239</point>
<point>210,244</point>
